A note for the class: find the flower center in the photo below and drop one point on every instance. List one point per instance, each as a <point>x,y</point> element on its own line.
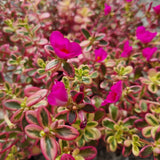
<point>65,50</point>
<point>98,58</point>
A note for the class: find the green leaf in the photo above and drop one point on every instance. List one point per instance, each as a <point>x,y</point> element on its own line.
<point>99,114</point>
<point>157,135</point>
<point>41,71</point>
<point>89,108</point>
<point>40,62</point>
<point>153,132</point>
<point>129,121</point>
<point>147,131</point>
<point>92,133</point>
<point>143,106</point>
<point>152,88</point>
<point>65,81</point>
<point>12,105</point>
<point>97,100</point>
<point>86,33</point>
<point>81,142</point>
<point>49,147</point>
<point>35,29</point>
<point>112,143</point>
<point>66,132</point>
<point>86,80</point>
<point>69,69</point>
<point>127,70</point>
<point>33,131</point>
<point>136,88</point>
<point>43,116</point>
<point>94,75</point>
<point>99,37</point>
<point>146,151</point>
<point>151,119</point>
<point>62,115</point>
<point>8,29</point>
<point>92,124</point>
<point>135,150</point>
<point>52,65</point>
<point>113,111</point>
<point>3,136</point>
<point>103,42</point>
<point>108,123</point>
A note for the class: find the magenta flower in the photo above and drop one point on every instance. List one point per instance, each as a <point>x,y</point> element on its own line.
<point>58,95</point>
<point>144,36</point>
<point>100,54</point>
<point>148,52</point>
<point>107,9</point>
<point>126,50</point>
<point>115,94</point>
<point>129,0</point>
<point>157,9</point>
<point>67,157</point>
<point>63,47</point>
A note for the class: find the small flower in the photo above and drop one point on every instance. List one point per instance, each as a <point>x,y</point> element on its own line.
<point>107,9</point>
<point>129,0</point>
<point>67,157</point>
<point>144,36</point>
<point>126,50</point>
<point>58,95</point>
<point>100,54</point>
<point>115,94</point>
<point>63,47</point>
<point>157,9</point>
<point>148,52</point>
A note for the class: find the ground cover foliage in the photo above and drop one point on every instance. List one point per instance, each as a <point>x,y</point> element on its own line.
<point>79,75</point>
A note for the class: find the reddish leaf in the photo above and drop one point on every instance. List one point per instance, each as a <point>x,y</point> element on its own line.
<point>88,152</point>
<point>53,65</point>
<point>62,115</point>
<point>67,157</point>
<point>126,151</point>
<point>33,131</point>
<point>31,117</point>
<point>37,97</point>
<point>17,116</point>
<point>71,117</point>
<point>30,91</point>
<point>146,151</point>
<point>140,124</point>
<point>129,121</point>
<point>68,69</point>
<point>49,147</point>
<point>78,98</point>
<point>89,108</point>
<point>66,132</point>
<point>49,50</point>
<point>44,117</point>
<point>12,105</point>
